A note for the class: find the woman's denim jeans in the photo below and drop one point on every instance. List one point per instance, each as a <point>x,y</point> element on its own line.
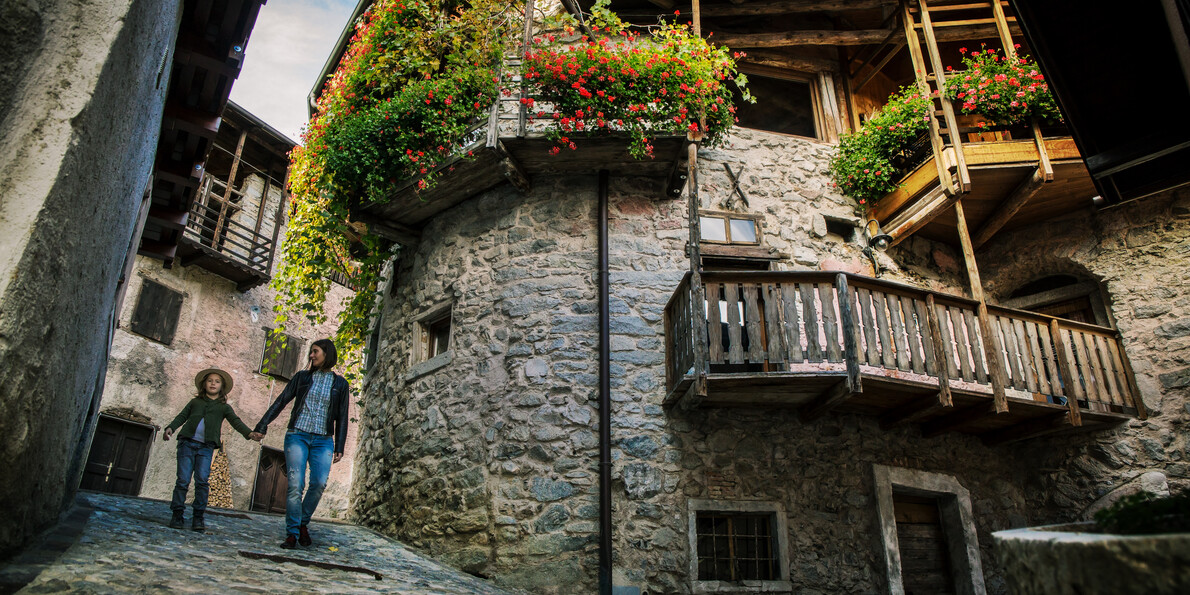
<point>193,458</point>
<point>302,448</point>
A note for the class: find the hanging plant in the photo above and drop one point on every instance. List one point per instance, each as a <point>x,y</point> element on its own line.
<point>665,81</point>
<point>862,167</point>
<point>1006,91</point>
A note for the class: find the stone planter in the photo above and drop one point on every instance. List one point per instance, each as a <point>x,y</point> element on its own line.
<point>1060,559</point>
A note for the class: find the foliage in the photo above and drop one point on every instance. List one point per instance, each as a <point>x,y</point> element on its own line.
<point>665,82</point>
<point>415,76</point>
<point>1004,90</point>
<point>862,166</point>
<point>1144,513</point>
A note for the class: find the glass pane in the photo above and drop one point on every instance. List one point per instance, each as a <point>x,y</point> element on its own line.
<point>713,229</point>
<point>743,230</point>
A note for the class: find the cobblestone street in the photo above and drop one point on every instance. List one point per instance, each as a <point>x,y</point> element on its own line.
<point>118,544</point>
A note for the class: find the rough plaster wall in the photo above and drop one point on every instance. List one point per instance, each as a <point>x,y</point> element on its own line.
<point>1139,253</point>
<point>218,327</point>
<point>76,150</point>
<point>490,461</point>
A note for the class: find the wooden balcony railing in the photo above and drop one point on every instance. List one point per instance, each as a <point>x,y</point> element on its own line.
<point>870,338</point>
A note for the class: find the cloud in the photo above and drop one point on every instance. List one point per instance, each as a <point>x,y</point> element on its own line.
<point>288,46</point>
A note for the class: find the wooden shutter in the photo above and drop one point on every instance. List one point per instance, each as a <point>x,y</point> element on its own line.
<point>282,355</point>
<point>156,314</point>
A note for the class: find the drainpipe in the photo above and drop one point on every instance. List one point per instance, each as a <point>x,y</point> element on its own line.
<point>605,402</point>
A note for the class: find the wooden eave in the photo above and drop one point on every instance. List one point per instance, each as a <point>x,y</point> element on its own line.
<point>192,253</point>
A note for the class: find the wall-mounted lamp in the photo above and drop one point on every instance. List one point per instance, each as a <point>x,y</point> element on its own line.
<point>876,237</point>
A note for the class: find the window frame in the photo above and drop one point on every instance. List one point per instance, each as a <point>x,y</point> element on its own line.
<point>780,543</point>
<point>726,217</point>
<point>294,348</point>
<point>425,348</point>
<point>828,122</point>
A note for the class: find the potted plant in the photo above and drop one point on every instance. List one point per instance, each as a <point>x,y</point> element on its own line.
<point>862,167</point>
<point>1139,544</point>
<point>1003,91</point>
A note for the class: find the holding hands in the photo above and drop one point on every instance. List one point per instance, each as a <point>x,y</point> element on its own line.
<point>257,436</point>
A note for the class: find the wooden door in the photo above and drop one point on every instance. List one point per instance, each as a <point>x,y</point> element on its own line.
<point>119,454</point>
<point>272,483</point>
<point>925,559</point>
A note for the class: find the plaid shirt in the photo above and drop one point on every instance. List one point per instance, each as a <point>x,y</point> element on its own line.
<point>318,403</point>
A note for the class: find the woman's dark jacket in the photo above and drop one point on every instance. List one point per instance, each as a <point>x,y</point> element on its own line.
<point>213,412</point>
<point>296,390</point>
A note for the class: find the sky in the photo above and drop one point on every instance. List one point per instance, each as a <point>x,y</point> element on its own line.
<point>285,54</point>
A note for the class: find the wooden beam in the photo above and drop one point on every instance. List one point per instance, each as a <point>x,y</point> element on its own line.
<point>909,412</point>
<point>828,400</point>
<point>787,62</point>
<point>1009,208</point>
<point>990,346</point>
<point>512,170</point>
<point>389,230</point>
<point>935,203</point>
<point>923,87</point>
<point>1034,428</point>
<point>850,341</point>
<point>846,38</point>
<point>956,420</point>
<point>947,108</point>
<point>786,7</point>
<point>694,395</point>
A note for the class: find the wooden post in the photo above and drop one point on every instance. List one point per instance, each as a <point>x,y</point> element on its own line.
<point>850,344</point>
<point>941,353</point>
<point>990,346</point>
<point>231,180</point>
<point>697,18</point>
<point>1067,374</point>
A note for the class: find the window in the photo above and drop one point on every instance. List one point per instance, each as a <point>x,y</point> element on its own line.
<point>729,228</point>
<point>282,356</point>
<point>801,104</point>
<point>372,348</point>
<point>434,332</point>
<point>1063,296</point>
<point>156,313</point>
<point>735,547</point>
<point>742,543</point>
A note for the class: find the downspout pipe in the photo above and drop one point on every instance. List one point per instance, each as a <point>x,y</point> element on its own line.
<point>605,401</point>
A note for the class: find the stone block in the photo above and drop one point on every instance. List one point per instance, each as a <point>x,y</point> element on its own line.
<point>549,490</point>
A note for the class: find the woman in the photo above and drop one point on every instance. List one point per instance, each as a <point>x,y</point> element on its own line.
<point>316,436</point>
<point>201,422</point>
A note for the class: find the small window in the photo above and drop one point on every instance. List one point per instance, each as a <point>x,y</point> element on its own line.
<point>282,356</point>
<point>736,547</point>
<point>438,336</point>
<point>372,348</point>
<point>434,332</point>
<point>729,228</point>
<point>156,313</point>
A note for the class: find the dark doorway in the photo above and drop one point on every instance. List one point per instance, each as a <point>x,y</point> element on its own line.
<point>271,482</point>
<point>925,559</point>
<point>119,454</point>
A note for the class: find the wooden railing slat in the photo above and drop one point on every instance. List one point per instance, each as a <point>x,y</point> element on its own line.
<point>1129,397</point>
<point>793,339</point>
<point>963,338</point>
<point>1075,386</point>
<point>927,341</point>
<point>714,293</point>
<point>1051,360</point>
<point>772,322</point>
<point>871,348</point>
<point>887,354</point>
<point>1027,367</point>
<point>1032,336</point>
<point>752,323</point>
<point>978,362</point>
<point>900,342</point>
<point>1104,393</point>
<point>1111,379</point>
<point>810,315</point>
<point>943,314</point>
<point>735,342</point>
<point>1003,328</point>
<point>914,331</point>
<point>830,323</point>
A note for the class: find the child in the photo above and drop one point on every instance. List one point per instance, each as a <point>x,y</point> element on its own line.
<point>201,421</point>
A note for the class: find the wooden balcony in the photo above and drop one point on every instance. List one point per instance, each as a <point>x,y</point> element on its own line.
<point>1010,183</point>
<point>214,240</point>
<point>821,342</point>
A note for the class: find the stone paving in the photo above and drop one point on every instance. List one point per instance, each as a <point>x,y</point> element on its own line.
<point>121,544</point>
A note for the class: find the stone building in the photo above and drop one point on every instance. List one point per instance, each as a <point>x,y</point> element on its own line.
<point>211,308</point>
<point>851,419</point>
<point>88,89</point>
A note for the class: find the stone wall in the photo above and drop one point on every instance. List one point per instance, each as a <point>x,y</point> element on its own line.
<point>218,327</point>
<point>80,105</point>
<point>1138,252</point>
<point>486,456</point>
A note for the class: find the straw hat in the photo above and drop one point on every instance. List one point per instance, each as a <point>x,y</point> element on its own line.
<point>202,376</point>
